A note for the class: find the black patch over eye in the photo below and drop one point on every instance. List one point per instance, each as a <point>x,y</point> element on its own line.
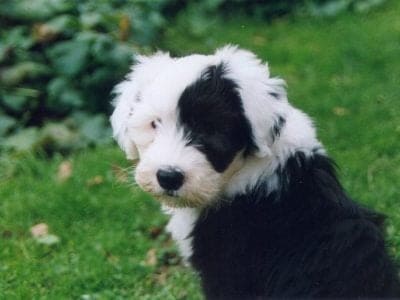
<point>211,114</point>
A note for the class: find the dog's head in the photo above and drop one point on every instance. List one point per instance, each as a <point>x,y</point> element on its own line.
<point>193,121</point>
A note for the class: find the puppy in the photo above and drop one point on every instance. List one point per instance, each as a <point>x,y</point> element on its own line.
<point>256,206</point>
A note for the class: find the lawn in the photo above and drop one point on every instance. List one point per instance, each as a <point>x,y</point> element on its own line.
<point>344,72</point>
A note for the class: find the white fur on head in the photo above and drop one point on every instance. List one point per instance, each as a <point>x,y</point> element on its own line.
<point>128,93</point>
<point>150,94</point>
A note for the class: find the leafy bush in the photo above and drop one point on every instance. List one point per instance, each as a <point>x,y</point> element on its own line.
<point>60,57</point>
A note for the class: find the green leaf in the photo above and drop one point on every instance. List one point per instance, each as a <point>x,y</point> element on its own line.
<point>101,48</point>
<point>22,141</point>
<point>91,20</point>
<point>70,58</point>
<point>121,55</point>
<point>62,96</point>
<point>4,52</point>
<point>14,101</point>
<point>18,37</point>
<point>66,24</point>
<point>59,137</point>
<point>72,98</point>
<point>100,76</point>
<point>96,130</point>
<point>56,86</point>
<point>366,5</point>
<point>14,75</point>
<point>330,8</point>
<point>34,10</point>
<point>6,123</point>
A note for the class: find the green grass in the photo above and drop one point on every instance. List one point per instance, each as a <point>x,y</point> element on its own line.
<point>106,230</point>
<point>344,72</point>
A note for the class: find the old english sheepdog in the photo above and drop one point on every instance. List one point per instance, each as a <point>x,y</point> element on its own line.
<point>256,207</point>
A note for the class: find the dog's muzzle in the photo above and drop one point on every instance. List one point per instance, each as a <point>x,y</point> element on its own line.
<point>170,179</point>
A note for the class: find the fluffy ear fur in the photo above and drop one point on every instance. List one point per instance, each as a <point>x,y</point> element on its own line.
<point>119,120</point>
<point>264,98</point>
<point>127,94</point>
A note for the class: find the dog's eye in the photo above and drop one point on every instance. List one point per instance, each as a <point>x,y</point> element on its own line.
<point>154,124</point>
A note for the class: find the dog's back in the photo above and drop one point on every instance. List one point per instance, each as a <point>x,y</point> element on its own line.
<point>307,239</point>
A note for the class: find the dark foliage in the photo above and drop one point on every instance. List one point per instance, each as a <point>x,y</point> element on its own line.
<point>62,57</point>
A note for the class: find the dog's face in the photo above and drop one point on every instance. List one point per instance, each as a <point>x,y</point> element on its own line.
<point>185,120</point>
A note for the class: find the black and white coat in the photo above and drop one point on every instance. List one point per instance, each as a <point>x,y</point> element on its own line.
<point>257,208</point>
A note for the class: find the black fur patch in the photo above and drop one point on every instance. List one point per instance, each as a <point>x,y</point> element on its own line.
<point>212,116</point>
<point>275,95</point>
<point>277,128</point>
<point>306,239</point>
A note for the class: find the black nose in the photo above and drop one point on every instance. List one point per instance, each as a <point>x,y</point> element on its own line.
<point>170,179</point>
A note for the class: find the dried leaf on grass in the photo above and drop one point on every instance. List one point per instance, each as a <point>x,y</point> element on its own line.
<point>161,275</point>
<point>170,258</point>
<point>259,40</point>
<point>155,231</point>
<point>112,259</point>
<point>151,258</point>
<point>96,180</point>
<point>6,234</point>
<point>64,171</point>
<point>340,111</point>
<point>40,232</point>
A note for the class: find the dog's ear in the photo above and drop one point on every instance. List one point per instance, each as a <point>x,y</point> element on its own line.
<point>127,94</point>
<point>120,117</point>
<point>264,98</point>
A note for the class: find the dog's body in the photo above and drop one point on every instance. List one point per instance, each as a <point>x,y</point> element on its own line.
<point>307,239</point>
<point>255,202</point>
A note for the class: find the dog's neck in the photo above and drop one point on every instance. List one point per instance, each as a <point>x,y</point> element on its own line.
<point>297,134</point>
